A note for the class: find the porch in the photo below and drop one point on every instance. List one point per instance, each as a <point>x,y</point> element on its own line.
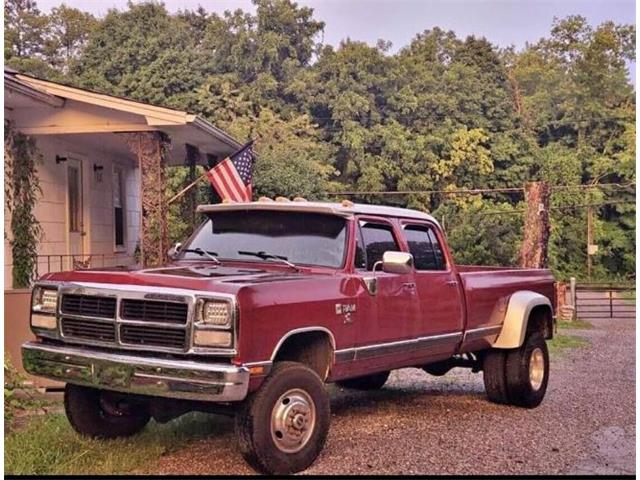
<point>102,172</point>
<point>101,169</point>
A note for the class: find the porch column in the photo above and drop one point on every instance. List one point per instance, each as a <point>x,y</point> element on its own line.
<point>212,161</point>
<point>190,199</point>
<point>150,148</point>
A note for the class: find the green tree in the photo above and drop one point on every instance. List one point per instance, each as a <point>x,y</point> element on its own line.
<point>67,33</point>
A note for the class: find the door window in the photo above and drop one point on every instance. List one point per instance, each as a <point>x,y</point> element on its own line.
<point>118,207</point>
<point>437,250</point>
<point>73,178</point>
<point>425,248</point>
<point>378,238</point>
<point>360,260</point>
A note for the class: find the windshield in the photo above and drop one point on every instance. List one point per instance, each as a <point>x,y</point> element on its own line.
<point>297,237</point>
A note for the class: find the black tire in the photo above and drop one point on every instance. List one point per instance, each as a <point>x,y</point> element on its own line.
<point>494,375</point>
<point>525,391</point>
<point>368,382</point>
<point>253,422</point>
<point>99,414</point>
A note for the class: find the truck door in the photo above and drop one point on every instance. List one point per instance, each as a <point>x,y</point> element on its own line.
<point>387,318</point>
<point>440,297</point>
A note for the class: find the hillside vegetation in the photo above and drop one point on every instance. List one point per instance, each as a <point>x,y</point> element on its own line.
<point>442,113</point>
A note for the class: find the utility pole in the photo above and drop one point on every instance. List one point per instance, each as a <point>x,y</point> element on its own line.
<point>535,245</point>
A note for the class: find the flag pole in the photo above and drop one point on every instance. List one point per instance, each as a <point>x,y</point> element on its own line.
<point>192,184</point>
<point>186,189</point>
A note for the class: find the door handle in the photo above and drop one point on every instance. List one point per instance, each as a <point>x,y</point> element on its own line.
<point>452,283</point>
<point>409,286</point>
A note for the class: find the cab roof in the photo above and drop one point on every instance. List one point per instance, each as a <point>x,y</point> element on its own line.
<point>345,209</point>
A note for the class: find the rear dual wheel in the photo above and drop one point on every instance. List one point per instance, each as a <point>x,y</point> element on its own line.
<point>519,376</point>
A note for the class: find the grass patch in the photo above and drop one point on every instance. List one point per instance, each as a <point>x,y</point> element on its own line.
<point>576,324</point>
<point>560,343</point>
<point>48,445</point>
<point>628,294</point>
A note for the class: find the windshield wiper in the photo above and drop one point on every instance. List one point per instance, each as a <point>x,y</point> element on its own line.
<point>199,251</point>
<point>270,256</point>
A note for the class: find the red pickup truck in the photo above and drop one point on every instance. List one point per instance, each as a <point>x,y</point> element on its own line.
<point>266,303</point>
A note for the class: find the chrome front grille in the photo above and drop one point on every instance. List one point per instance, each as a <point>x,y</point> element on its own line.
<point>154,311</point>
<point>157,336</point>
<point>125,322</point>
<point>88,329</point>
<point>88,306</point>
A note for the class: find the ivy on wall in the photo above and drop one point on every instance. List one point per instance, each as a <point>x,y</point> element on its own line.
<point>22,189</point>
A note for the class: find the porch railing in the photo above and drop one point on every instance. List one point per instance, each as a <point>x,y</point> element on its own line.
<point>59,263</point>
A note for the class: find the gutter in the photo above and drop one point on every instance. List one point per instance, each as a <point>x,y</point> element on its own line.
<point>29,91</point>
<point>214,131</point>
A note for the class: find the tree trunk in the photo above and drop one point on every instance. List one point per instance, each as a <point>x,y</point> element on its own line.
<point>534,250</point>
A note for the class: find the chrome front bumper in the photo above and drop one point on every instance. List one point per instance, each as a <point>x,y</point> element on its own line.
<point>127,373</point>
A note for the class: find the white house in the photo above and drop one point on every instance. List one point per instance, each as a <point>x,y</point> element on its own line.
<point>90,174</point>
<point>99,153</point>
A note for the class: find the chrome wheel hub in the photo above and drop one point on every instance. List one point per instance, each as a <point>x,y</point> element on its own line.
<point>536,369</point>
<point>293,419</point>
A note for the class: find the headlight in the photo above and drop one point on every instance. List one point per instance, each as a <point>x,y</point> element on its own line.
<point>214,320</point>
<point>44,300</point>
<point>215,313</point>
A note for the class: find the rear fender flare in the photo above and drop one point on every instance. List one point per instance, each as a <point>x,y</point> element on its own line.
<point>516,318</point>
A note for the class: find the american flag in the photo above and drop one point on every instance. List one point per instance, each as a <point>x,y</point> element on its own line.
<point>232,177</point>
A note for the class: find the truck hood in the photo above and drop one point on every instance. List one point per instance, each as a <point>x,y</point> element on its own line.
<point>194,276</point>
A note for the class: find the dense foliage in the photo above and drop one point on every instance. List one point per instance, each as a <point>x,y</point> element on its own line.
<point>22,190</point>
<point>443,113</point>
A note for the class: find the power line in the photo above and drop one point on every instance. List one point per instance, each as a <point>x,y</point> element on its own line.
<point>475,191</point>
<point>562,207</point>
<point>448,192</point>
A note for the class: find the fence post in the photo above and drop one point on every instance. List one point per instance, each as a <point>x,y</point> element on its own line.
<point>610,303</point>
<point>574,298</point>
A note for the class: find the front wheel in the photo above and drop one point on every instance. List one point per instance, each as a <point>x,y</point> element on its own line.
<point>282,427</point>
<point>103,414</point>
<point>527,372</point>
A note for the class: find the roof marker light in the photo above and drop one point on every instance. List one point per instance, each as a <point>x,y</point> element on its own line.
<point>282,199</point>
<point>299,199</point>
<point>347,203</point>
<point>265,199</point>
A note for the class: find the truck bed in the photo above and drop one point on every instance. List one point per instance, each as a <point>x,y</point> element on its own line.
<point>487,290</point>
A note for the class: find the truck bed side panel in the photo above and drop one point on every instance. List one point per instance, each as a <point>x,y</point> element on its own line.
<point>487,292</point>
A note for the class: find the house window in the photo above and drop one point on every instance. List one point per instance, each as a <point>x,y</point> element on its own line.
<point>118,206</point>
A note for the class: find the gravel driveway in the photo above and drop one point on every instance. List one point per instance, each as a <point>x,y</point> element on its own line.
<point>418,424</point>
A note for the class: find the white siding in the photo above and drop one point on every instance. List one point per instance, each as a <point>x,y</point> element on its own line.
<point>51,210</point>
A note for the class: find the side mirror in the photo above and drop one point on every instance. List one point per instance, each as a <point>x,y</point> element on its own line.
<point>397,262</point>
<point>392,262</point>
<point>174,251</point>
